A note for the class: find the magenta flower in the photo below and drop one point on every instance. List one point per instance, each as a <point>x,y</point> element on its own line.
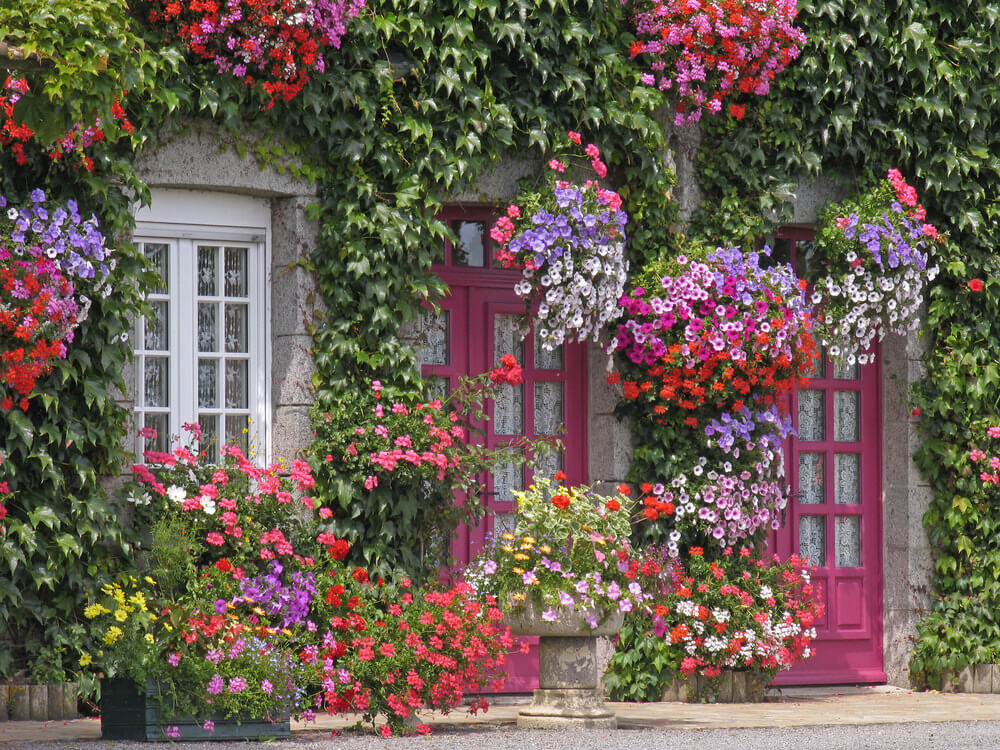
<point>237,685</point>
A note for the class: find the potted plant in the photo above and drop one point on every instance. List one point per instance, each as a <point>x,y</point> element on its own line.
<point>568,575</point>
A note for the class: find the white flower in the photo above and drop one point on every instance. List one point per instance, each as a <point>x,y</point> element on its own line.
<point>176,494</point>
<point>208,505</point>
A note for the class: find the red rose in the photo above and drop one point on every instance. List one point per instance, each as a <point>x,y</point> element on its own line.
<point>976,285</point>
<point>560,501</point>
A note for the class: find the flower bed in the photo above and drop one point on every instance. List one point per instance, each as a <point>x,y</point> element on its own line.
<point>249,609</point>
<point>737,612</point>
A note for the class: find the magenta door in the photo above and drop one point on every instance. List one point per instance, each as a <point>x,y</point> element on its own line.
<point>834,519</point>
<point>479,322</point>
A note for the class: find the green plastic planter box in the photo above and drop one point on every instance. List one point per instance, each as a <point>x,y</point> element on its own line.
<point>127,714</point>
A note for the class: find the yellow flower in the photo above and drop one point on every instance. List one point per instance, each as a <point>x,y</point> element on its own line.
<point>529,540</point>
<point>508,548</point>
<point>258,611</point>
<point>150,581</point>
<point>119,596</point>
<point>520,556</point>
<point>121,614</point>
<point>546,549</point>
<point>94,610</point>
<point>149,637</point>
<point>286,631</point>
<point>518,596</point>
<point>113,635</point>
<point>168,626</point>
<point>508,536</point>
<point>138,599</point>
<point>519,571</point>
<point>85,660</point>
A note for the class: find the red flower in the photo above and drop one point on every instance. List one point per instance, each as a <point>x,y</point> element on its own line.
<point>339,549</point>
<point>613,505</point>
<point>561,501</point>
<point>360,575</point>
<point>737,111</point>
<point>223,565</point>
<point>625,489</point>
<point>976,285</point>
<point>560,476</point>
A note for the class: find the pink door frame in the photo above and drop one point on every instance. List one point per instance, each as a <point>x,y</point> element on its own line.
<point>476,296</point>
<point>849,646</point>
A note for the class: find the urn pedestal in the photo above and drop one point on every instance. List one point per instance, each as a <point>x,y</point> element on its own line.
<point>569,694</point>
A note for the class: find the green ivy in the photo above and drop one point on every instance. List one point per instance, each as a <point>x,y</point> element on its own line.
<point>909,85</point>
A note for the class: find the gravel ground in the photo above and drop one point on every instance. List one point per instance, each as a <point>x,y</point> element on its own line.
<point>956,735</point>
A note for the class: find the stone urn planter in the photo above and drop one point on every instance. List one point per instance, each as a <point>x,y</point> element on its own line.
<point>569,694</point>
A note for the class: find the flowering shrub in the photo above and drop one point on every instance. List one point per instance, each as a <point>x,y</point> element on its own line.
<point>569,241</point>
<point>736,612</point>
<point>569,551</point>
<point>708,51</point>
<point>721,339</point>
<point>273,44</point>
<point>876,260</point>
<point>250,609</point>
<point>391,445</point>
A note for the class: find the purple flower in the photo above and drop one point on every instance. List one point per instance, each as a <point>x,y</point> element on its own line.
<point>237,685</point>
<point>220,606</point>
<point>549,615</point>
<point>209,726</point>
<point>490,567</point>
<point>216,685</point>
<point>266,686</point>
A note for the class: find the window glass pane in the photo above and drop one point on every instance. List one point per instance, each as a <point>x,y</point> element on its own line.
<point>549,464</point>
<point>237,384</point>
<point>438,386</point>
<point>503,523</point>
<point>847,478</point>
<point>237,317</point>
<point>433,332</point>
<point>236,272</point>
<point>155,330</point>
<point>805,257</point>
<point>470,250</point>
<point>545,359</point>
<point>845,415</point>
<point>208,274</point>
<point>209,434</point>
<point>847,538</point>
<point>812,488</point>
<point>812,539</point>
<point>208,338</point>
<point>811,415</point>
<point>160,423</point>
<point>157,255</point>
<point>781,252</point>
<point>208,383</point>
<point>819,370</point>
<point>548,408</point>
<point>155,384</point>
<point>238,432</point>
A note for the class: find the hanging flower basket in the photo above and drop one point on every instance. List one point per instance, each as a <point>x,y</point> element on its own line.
<point>569,241</point>
<point>874,254</point>
<point>706,51</point>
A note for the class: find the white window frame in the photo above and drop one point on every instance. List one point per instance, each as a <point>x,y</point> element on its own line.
<point>183,220</point>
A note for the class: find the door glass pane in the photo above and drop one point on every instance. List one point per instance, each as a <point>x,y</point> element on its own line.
<point>156,329</point>
<point>545,359</point>
<point>805,257</point>
<point>847,479</point>
<point>507,337</point>
<point>237,384</point>
<point>236,272</point>
<point>433,329</point>
<point>438,387</point>
<point>844,371</point>
<point>208,383</point>
<point>155,384</point>
<point>237,317</point>
<point>503,523</point>
<point>847,538</point>
<point>208,262</point>
<point>238,432</point>
<point>156,254</point>
<point>811,415</point>
<point>845,415</point>
<point>812,488</point>
<point>549,464</point>
<point>548,408</point>
<point>508,410</point>
<point>207,328</point>
<point>812,539</point>
<point>820,365</point>
<point>507,477</point>
<point>470,250</point>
